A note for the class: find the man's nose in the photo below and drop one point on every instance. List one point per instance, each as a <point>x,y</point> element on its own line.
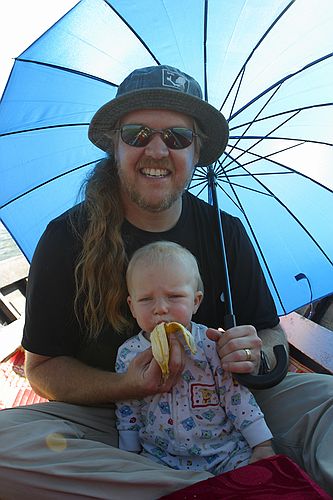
<point>156,148</point>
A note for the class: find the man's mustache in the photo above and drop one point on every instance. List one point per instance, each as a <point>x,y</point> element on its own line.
<point>163,163</point>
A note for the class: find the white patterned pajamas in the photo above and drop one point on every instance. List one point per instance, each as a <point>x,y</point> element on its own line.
<point>206,422</point>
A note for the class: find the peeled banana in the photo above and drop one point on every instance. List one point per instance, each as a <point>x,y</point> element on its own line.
<point>160,344</point>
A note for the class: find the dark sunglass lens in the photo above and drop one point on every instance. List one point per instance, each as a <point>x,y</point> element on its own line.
<point>178,137</point>
<point>135,135</point>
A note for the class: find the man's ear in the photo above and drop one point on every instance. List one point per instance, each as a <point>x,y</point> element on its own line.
<point>197,301</point>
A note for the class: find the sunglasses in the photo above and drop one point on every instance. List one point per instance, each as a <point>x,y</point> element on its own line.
<point>139,136</point>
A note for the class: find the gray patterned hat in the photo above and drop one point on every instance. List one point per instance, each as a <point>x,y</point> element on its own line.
<point>162,87</point>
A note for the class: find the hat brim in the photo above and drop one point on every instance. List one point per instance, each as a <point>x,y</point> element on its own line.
<point>210,120</point>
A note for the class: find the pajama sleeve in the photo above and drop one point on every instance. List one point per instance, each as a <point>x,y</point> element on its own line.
<point>128,414</point>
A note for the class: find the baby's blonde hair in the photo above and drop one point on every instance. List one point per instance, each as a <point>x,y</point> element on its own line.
<point>162,252</point>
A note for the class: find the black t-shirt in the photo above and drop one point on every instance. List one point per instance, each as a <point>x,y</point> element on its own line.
<point>51,328</point>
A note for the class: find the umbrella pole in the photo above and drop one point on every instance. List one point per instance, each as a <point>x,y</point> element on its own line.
<point>229,318</point>
<point>278,373</point>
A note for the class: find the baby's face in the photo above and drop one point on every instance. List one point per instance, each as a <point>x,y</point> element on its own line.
<point>163,293</point>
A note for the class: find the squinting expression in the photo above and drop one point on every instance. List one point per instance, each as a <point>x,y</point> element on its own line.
<point>154,177</point>
<point>163,292</point>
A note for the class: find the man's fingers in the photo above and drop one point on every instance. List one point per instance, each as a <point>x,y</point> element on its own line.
<point>152,374</point>
<point>144,357</point>
<point>213,334</point>
<point>177,357</point>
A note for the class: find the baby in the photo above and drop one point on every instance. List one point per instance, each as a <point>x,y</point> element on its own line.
<point>207,421</point>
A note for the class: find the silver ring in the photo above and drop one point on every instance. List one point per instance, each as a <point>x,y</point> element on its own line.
<point>248,354</point>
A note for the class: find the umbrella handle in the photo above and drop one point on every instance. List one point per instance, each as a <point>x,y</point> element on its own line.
<point>268,379</point>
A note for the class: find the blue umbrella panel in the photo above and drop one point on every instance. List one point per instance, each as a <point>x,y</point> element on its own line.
<point>266,65</point>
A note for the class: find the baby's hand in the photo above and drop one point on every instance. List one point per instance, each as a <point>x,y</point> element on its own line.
<point>262,450</point>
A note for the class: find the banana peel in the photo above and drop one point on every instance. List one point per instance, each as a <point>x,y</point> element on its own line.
<point>160,344</point>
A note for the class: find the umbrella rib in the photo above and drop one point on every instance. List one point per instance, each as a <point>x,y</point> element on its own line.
<point>196,185</point>
<point>290,170</point>
<point>68,70</point>
<point>257,243</point>
<point>236,93</point>
<point>242,70</point>
<point>261,157</point>
<point>249,126</point>
<point>255,173</point>
<point>281,81</point>
<point>134,32</point>
<point>227,181</point>
<point>205,50</point>
<point>303,108</point>
<point>48,182</point>
<point>278,138</point>
<point>296,219</point>
<point>262,138</point>
<point>222,169</point>
<point>204,181</point>
<point>230,198</point>
<point>200,173</point>
<point>36,129</point>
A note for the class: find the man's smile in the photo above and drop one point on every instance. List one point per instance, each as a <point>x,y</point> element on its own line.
<point>155,172</point>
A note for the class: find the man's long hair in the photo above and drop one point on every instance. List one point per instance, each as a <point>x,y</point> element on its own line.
<point>101,290</point>
<point>101,267</point>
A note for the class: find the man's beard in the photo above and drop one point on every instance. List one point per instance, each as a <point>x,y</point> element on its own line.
<point>141,201</point>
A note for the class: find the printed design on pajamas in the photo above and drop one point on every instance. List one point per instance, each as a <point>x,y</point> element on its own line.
<point>203,395</point>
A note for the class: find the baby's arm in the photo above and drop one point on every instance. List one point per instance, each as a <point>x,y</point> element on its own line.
<point>128,419</point>
<point>262,450</point>
<point>257,433</point>
<point>243,410</point>
<point>129,441</point>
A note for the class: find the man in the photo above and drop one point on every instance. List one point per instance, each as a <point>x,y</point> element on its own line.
<point>155,131</point>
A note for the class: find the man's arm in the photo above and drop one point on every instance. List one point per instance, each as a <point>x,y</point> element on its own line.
<point>67,379</point>
<point>63,378</point>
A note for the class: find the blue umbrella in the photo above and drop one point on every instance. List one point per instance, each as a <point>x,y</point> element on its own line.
<point>266,64</point>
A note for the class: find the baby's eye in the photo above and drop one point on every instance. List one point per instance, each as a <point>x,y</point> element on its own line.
<point>144,299</point>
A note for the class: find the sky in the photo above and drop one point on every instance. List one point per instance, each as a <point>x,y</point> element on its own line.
<point>21,22</point>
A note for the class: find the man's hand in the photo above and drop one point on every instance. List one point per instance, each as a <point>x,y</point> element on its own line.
<point>144,376</point>
<point>238,348</point>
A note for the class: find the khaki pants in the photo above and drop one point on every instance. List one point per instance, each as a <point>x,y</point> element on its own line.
<point>58,451</point>
<point>299,412</point>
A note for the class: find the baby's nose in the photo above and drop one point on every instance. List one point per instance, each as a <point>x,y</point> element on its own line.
<point>161,306</point>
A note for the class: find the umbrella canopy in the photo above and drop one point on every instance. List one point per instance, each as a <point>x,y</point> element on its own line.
<point>266,64</point>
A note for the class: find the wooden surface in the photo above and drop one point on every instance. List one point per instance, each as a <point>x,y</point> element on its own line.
<point>12,270</point>
<point>310,340</point>
<point>10,338</point>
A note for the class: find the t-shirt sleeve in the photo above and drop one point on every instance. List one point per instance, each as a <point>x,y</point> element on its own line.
<point>252,300</point>
<point>51,328</point>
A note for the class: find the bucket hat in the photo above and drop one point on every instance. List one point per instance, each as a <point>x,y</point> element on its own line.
<point>162,87</point>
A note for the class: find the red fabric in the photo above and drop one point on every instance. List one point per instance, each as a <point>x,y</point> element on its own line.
<point>15,389</point>
<point>298,367</point>
<point>273,478</point>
